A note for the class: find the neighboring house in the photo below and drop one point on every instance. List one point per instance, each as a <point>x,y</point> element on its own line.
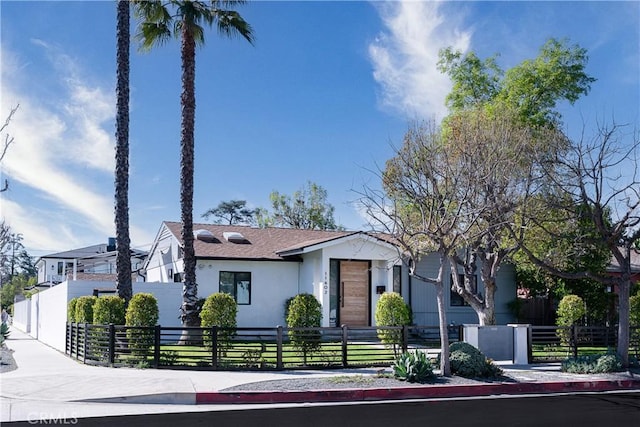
<point>95,263</point>
<point>346,270</point>
<point>614,268</point>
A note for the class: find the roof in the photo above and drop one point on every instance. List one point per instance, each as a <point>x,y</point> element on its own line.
<point>614,266</point>
<point>79,253</point>
<point>261,243</point>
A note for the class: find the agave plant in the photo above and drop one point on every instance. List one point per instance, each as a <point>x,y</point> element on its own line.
<point>413,367</point>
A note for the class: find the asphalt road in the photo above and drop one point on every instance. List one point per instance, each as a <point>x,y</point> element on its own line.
<point>619,409</point>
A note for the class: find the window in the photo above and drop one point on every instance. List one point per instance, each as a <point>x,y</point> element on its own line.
<point>456,299</point>
<point>236,284</point>
<point>397,279</point>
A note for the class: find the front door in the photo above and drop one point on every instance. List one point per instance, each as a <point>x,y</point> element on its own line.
<point>354,293</point>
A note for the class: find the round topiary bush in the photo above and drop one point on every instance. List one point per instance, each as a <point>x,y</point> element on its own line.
<point>141,314</point>
<point>84,309</point>
<point>469,362</point>
<point>570,310</point>
<point>109,309</point>
<point>391,310</point>
<point>305,311</point>
<point>219,309</point>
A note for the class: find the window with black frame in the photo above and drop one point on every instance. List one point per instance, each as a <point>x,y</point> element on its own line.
<point>455,298</point>
<point>237,284</point>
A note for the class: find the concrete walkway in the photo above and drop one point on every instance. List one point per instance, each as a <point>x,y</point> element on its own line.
<point>47,381</point>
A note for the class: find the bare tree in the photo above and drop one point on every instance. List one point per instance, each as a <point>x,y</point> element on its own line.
<point>599,182</point>
<point>7,140</point>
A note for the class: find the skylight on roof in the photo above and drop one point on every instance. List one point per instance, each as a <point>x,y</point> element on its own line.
<point>204,235</point>
<point>234,237</point>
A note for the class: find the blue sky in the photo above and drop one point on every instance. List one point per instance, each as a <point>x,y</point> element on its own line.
<point>323,95</point>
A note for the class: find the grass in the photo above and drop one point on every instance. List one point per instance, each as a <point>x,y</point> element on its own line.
<point>264,355</point>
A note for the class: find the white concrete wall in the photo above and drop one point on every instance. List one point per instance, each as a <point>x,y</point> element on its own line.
<point>169,296</point>
<point>49,316</point>
<point>22,315</point>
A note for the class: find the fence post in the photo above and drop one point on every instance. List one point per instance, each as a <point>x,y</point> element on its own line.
<point>86,342</point>
<point>214,347</point>
<point>279,344</point>
<point>112,343</point>
<point>405,338</point>
<point>67,340</point>
<point>345,337</point>
<point>156,345</point>
<point>574,340</point>
<point>77,341</point>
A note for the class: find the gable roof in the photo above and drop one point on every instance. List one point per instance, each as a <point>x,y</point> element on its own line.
<point>261,243</point>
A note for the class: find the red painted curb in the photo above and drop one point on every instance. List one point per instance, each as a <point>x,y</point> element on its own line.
<point>395,393</point>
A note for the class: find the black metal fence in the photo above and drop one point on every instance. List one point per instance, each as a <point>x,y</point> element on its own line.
<point>556,343</point>
<point>249,348</point>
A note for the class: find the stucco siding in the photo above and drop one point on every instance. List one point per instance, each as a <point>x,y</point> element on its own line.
<point>271,284</point>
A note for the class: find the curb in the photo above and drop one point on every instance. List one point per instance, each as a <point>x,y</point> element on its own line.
<point>397,393</point>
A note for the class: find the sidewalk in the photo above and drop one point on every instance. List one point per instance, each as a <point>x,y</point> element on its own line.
<point>48,377</point>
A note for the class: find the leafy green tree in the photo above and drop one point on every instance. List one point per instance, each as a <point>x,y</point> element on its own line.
<point>186,20</point>
<point>123,240</point>
<point>16,286</point>
<point>391,310</point>
<point>231,212</point>
<point>109,309</point>
<point>306,209</point>
<point>533,88</point>
<point>305,311</point>
<point>219,309</point>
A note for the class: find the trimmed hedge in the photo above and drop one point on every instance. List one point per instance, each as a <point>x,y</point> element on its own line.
<point>109,309</point>
<point>84,309</point>
<point>141,311</point>
<point>392,310</point>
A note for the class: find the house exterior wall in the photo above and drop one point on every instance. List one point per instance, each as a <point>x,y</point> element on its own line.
<point>164,261</point>
<point>423,295</point>
<point>272,282</point>
<point>55,270</point>
<point>382,260</point>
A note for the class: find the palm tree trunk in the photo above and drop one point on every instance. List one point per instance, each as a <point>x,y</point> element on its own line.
<point>188,311</point>
<point>123,254</point>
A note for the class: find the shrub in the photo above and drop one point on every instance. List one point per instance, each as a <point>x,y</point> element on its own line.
<point>4,332</point>
<point>84,309</point>
<point>142,313</point>
<point>391,310</point>
<point>305,311</point>
<point>109,309</point>
<point>413,367</point>
<point>469,362</point>
<point>71,310</point>
<point>592,364</point>
<point>570,310</point>
<point>219,309</point>
<point>634,321</point>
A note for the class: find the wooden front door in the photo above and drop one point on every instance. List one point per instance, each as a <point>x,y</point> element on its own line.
<point>354,293</point>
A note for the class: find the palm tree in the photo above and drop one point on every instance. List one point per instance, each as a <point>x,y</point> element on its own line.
<point>160,20</point>
<point>123,255</point>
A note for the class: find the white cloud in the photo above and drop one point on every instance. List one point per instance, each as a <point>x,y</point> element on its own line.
<point>62,156</point>
<point>405,56</point>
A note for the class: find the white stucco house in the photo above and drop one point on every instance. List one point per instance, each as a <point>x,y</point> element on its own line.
<point>262,267</point>
<point>346,270</point>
